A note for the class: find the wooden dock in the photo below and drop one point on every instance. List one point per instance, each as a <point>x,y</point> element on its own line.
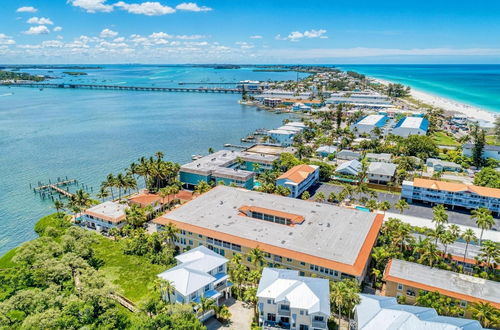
<point>54,189</point>
<point>61,191</point>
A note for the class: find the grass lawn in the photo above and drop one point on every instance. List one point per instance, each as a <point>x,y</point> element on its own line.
<point>6,259</point>
<point>440,138</point>
<point>133,276</point>
<point>490,139</point>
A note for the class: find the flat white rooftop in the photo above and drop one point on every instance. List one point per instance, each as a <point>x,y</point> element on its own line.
<point>329,232</point>
<point>412,122</point>
<point>108,210</point>
<point>370,120</point>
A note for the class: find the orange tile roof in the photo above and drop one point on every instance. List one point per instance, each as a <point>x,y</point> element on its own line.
<point>455,187</point>
<point>145,199</point>
<point>426,287</point>
<point>297,173</point>
<point>356,269</point>
<point>294,218</point>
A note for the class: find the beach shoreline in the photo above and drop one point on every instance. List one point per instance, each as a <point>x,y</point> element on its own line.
<point>447,104</point>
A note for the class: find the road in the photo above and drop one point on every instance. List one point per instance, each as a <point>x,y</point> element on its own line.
<point>415,210</point>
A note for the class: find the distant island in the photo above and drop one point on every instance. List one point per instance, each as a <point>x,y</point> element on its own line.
<point>75,73</point>
<point>10,75</point>
<point>48,67</point>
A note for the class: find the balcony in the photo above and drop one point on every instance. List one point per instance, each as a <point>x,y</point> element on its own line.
<point>319,324</point>
<point>284,312</point>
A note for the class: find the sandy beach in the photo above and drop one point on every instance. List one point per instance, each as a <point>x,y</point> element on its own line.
<point>448,105</point>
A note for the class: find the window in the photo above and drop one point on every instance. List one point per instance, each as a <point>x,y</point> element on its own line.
<point>302,263</point>
<point>271,317</point>
<point>303,327</point>
<point>207,287</point>
<point>288,260</point>
<point>301,312</point>
<point>318,318</point>
<point>284,307</point>
<point>269,301</point>
<point>221,268</point>
<point>400,287</point>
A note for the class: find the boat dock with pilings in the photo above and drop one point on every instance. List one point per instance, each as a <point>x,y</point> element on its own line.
<point>128,88</point>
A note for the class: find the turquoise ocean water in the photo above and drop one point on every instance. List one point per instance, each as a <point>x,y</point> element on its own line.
<point>87,134</point>
<point>476,85</point>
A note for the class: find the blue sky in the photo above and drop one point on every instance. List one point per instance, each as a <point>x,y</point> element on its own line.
<point>239,31</point>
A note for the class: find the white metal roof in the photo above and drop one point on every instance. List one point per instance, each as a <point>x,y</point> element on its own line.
<point>311,294</point>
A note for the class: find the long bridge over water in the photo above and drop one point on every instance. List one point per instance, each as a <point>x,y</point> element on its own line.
<point>126,88</point>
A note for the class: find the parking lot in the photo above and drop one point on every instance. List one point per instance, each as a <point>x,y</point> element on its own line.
<point>416,210</point>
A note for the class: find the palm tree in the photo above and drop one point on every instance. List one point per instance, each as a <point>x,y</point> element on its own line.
<point>165,287</point>
<point>205,305</point>
<point>250,296</point>
<point>489,251</point>
<point>454,231</point>
<point>484,220</point>
<point>135,216</point>
<point>320,197</point>
<point>337,297</point>
<point>170,232</point>
<point>80,200</point>
<point>446,239</point>
<point>401,205</point>
<point>210,150</point>
<point>202,187</point>
<point>437,233</point>
<point>485,313</point>
<point>163,193</point>
<point>468,236</point>
<point>384,206</point>
<point>109,183</point>
<point>120,183</point>
<point>430,255</point>
<point>58,205</point>
<point>257,257</point>
<point>372,205</point>
<point>103,193</point>
<point>222,313</point>
<point>305,195</point>
<point>440,217</point>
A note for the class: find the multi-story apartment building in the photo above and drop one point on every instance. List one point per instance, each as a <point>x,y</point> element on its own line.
<point>291,301</point>
<point>298,179</point>
<point>199,273</point>
<point>104,216</point>
<point>229,166</point>
<point>408,279</point>
<point>411,126</point>
<point>313,238</point>
<point>367,124</point>
<point>451,194</point>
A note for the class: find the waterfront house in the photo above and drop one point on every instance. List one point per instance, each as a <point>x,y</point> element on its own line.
<point>313,238</point>
<point>351,167</point>
<point>104,216</point>
<point>367,124</point>
<point>489,151</point>
<point>411,126</point>
<point>381,173</point>
<point>382,157</point>
<point>282,137</point>
<point>441,165</point>
<point>271,102</point>
<point>291,301</point>
<point>229,166</point>
<point>200,272</point>
<point>381,313</point>
<point>404,278</point>
<point>298,179</point>
<point>348,155</point>
<point>451,194</point>
<point>325,151</point>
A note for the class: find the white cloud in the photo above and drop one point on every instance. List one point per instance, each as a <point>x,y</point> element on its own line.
<point>6,40</point>
<point>145,8</point>
<point>297,35</point>
<point>121,39</point>
<point>40,21</point>
<point>57,29</point>
<point>256,37</point>
<point>28,9</point>
<point>107,33</point>
<point>92,6</point>
<point>40,29</point>
<point>244,45</point>
<point>190,37</point>
<point>191,6</point>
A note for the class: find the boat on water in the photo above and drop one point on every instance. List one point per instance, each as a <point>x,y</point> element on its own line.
<point>195,157</point>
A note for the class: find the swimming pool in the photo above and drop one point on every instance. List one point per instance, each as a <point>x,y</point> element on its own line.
<point>362,208</point>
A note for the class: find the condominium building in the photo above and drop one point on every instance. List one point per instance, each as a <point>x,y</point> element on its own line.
<point>298,179</point>
<point>367,124</point>
<point>451,194</point>
<point>360,99</point>
<point>229,166</point>
<point>381,313</point>
<point>411,126</point>
<point>313,238</point>
<point>290,301</point>
<point>284,135</point>
<point>104,216</point>
<point>408,279</point>
<point>199,273</point>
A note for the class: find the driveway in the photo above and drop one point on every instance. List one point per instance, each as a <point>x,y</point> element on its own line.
<point>241,317</point>
<point>414,210</point>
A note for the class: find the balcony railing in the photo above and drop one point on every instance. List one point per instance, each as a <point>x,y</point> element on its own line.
<point>319,324</point>
<point>285,312</point>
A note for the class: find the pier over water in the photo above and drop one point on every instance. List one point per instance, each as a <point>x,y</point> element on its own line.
<point>127,88</point>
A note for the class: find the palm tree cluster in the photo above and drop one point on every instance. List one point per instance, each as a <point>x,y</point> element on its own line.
<point>156,172</point>
<point>344,296</point>
<point>122,182</point>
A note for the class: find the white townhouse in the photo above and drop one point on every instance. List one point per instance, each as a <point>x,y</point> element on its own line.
<point>290,301</point>
<point>299,178</point>
<point>104,216</point>
<point>200,272</point>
